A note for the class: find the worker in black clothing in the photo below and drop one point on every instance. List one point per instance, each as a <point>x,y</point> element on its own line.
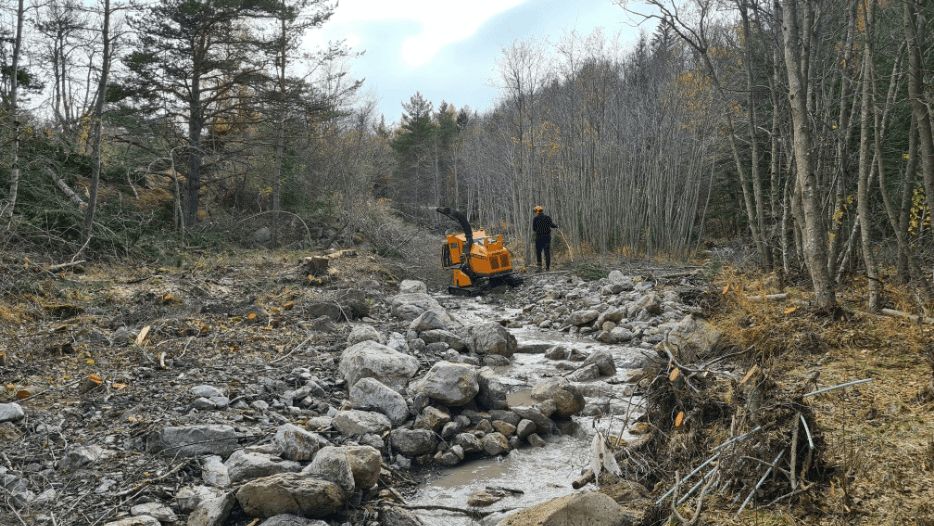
<point>542,225</point>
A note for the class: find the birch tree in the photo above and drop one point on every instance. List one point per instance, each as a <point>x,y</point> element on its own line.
<point>13,108</point>
<point>97,120</point>
<point>797,54</point>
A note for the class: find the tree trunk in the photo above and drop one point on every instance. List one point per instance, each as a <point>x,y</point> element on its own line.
<point>193,184</point>
<point>814,236</point>
<point>765,252</point>
<point>98,123</point>
<point>917,99</point>
<point>14,86</point>
<point>280,131</point>
<point>904,210</point>
<point>862,192</point>
<point>843,131</point>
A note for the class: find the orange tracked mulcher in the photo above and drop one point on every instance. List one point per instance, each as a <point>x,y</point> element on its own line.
<point>477,262</point>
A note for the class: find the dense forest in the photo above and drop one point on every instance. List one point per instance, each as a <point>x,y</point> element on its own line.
<point>802,127</point>
<point>233,293</point>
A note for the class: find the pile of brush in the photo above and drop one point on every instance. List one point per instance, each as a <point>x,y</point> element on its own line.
<point>716,424</point>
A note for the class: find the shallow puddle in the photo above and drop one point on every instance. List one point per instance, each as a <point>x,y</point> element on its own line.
<point>520,397</point>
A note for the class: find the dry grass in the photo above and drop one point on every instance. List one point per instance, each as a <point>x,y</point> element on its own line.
<point>879,436</point>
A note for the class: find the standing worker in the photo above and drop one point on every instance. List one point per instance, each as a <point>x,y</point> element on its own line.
<point>542,225</point>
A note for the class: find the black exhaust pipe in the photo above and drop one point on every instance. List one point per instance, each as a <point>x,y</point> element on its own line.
<point>459,216</point>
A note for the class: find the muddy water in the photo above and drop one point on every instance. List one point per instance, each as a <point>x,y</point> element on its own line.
<point>538,473</point>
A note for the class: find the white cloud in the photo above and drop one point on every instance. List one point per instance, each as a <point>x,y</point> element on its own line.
<point>440,22</point>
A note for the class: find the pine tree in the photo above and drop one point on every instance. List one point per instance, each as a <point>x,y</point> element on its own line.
<point>192,59</point>
<point>412,146</point>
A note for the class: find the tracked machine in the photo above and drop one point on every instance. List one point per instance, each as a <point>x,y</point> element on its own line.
<point>477,262</point>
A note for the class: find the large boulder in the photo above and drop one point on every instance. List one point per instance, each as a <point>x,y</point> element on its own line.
<point>613,314</point>
<point>444,336</point>
<point>262,235</point>
<point>566,396</point>
<point>495,444</point>
<point>212,511</point>
<point>543,424</point>
<point>692,338</point>
<point>618,279</point>
<point>432,418</point>
<point>468,442</point>
<point>348,304</point>
<point>413,442</point>
<point>365,464</point>
<point>193,441</point>
<point>412,286</point>
<point>409,306</point>
<point>291,520</point>
<point>350,467</point>
<point>359,423</point>
<point>333,465</point>
<point>431,320</point>
<point>580,509</point>
<point>491,338</point>
<point>353,302</point>
<point>583,317</point>
<point>395,516</point>
<point>585,373</point>
<point>246,465</point>
<point>292,493</point>
<point>324,309</point>
<point>214,472</point>
<point>525,428</point>
<point>616,335</point>
<point>492,393</point>
<point>81,456</point>
<point>156,510</point>
<point>363,333</point>
<point>11,412</point>
<point>190,497</point>
<point>373,360</point>
<point>295,443</point>
<point>370,393</point>
<point>452,384</point>
<point>604,362</point>
<point>650,304</point>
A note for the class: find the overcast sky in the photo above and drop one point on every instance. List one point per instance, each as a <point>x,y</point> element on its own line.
<point>448,49</point>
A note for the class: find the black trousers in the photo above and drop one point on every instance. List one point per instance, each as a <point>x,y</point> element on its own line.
<point>543,245</point>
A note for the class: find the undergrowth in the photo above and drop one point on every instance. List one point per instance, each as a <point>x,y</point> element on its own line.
<point>877,435</point>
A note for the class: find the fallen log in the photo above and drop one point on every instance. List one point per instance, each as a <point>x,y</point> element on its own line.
<point>63,186</point>
<point>892,313</point>
<point>768,297</point>
<point>63,266</point>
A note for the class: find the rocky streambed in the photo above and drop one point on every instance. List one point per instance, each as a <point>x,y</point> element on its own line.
<point>432,410</point>
<point>589,337</point>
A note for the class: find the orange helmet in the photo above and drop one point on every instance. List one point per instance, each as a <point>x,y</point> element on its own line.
<point>538,209</point>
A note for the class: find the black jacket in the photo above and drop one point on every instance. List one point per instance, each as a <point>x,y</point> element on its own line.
<point>542,225</point>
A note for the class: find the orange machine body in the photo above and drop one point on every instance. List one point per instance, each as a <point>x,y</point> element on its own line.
<point>489,257</point>
<point>488,265</point>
